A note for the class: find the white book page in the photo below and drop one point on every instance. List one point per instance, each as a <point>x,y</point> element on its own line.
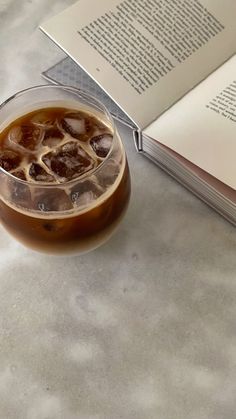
<point>146,54</point>
<point>201,127</point>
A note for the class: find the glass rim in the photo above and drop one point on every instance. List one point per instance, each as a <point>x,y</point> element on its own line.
<point>82,93</point>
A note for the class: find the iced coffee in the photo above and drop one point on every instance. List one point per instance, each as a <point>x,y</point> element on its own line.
<point>64,178</point>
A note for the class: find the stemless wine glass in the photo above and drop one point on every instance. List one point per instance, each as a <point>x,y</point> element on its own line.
<point>73,216</point>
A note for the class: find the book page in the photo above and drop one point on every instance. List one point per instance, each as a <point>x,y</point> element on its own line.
<point>201,127</point>
<point>146,54</point>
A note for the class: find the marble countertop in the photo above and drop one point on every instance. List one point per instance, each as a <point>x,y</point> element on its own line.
<point>143,327</point>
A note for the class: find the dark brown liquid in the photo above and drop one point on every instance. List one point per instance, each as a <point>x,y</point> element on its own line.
<point>58,146</point>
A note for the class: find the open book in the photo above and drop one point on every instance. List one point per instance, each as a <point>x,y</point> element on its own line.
<point>168,69</point>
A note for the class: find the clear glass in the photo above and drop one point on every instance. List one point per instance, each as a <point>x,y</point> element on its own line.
<point>67,217</point>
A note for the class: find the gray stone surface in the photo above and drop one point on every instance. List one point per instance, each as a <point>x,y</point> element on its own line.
<point>143,327</point>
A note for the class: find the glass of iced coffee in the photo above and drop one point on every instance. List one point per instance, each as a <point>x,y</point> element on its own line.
<point>64,177</point>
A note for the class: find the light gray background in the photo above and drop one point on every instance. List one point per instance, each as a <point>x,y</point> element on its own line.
<point>143,327</point>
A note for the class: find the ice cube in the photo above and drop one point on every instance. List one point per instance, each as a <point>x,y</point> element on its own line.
<point>15,191</point>
<point>52,137</point>
<point>75,124</point>
<point>69,161</point>
<point>85,192</point>
<point>108,173</point>
<point>39,174</point>
<point>19,173</point>
<point>101,144</point>
<point>52,200</point>
<point>9,159</point>
<point>26,136</point>
<point>85,198</point>
<point>19,192</point>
